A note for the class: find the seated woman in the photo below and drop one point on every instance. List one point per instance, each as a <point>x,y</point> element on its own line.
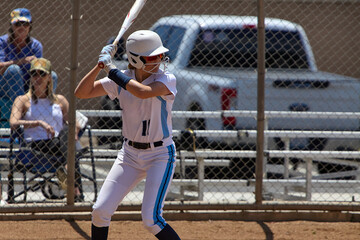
<point>44,116</point>
<point>17,50</point>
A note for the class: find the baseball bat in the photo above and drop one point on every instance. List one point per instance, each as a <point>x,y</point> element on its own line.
<point>129,19</point>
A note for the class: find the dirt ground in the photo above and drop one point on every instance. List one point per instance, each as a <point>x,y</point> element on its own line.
<point>197,230</point>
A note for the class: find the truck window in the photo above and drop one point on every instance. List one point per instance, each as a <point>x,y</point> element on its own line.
<point>171,37</point>
<point>237,48</point>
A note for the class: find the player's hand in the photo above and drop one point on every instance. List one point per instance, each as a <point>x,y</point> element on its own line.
<point>109,49</point>
<point>105,59</point>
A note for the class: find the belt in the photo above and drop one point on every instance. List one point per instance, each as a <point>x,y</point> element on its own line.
<point>140,145</point>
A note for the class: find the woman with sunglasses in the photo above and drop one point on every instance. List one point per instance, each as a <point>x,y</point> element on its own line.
<point>44,115</point>
<point>17,50</point>
<point>146,94</point>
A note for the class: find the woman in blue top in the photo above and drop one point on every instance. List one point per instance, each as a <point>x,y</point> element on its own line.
<point>17,50</point>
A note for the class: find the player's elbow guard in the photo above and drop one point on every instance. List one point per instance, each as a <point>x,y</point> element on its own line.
<point>119,78</point>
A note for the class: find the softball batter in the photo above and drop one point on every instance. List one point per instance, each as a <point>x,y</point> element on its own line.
<point>146,94</point>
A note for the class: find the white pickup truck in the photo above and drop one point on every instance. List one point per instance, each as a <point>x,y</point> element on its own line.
<point>214,58</point>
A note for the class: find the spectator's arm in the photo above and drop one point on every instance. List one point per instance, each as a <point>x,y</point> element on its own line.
<point>38,50</point>
<point>17,112</point>
<point>64,104</point>
<point>65,109</point>
<point>5,65</point>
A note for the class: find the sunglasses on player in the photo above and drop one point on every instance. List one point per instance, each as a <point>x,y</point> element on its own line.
<point>22,23</point>
<point>36,73</point>
<point>153,58</point>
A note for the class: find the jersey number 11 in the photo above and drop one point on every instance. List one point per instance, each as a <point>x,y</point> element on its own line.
<point>145,129</point>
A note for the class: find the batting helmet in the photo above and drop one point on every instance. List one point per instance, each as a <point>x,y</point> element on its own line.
<point>143,43</point>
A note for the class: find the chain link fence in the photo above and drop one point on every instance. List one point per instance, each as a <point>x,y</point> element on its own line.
<point>311,99</point>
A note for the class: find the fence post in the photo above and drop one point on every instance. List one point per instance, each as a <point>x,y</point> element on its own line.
<point>260,103</point>
<point>309,163</point>
<point>266,146</point>
<point>201,176</point>
<point>182,174</point>
<point>73,75</point>
<point>286,164</point>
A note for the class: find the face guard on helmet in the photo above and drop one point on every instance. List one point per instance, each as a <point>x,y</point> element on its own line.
<point>144,43</point>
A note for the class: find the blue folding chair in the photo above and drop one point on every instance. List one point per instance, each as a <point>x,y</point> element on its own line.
<point>41,169</point>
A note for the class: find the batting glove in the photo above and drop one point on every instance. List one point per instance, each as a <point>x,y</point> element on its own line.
<point>109,49</point>
<point>105,58</point>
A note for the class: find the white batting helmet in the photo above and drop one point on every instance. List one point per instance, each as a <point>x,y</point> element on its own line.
<point>143,43</point>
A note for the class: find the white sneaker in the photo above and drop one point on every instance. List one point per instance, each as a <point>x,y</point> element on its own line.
<point>3,202</point>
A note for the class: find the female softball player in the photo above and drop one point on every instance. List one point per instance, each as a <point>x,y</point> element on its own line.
<point>146,94</point>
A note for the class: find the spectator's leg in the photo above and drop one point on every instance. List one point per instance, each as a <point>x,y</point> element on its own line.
<point>2,85</point>
<point>54,77</point>
<point>14,84</point>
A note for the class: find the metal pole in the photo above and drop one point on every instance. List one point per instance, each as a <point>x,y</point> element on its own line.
<point>201,177</point>
<point>309,164</point>
<point>72,103</point>
<point>260,103</point>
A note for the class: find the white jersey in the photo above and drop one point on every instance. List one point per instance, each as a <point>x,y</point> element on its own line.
<point>144,120</point>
